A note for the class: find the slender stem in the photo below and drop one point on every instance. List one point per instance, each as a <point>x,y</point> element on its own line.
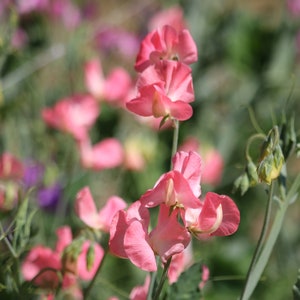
<point>261,239</point>
<point>175,139</point>
<point>250,140</point>
<point>152,282</point>
<point>162,279</point>
<point>7,242</point>
<point>89,287</point>
<point>264,256</point>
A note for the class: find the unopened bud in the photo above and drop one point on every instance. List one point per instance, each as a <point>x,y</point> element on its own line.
<point>90,257</point>
<point>251,171</point>
<point>241,183</point>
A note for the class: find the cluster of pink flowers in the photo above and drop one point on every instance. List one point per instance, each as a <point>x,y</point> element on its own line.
<point>181,213</point>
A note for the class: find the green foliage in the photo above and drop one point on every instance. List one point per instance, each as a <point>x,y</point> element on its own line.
<point>187,286</point>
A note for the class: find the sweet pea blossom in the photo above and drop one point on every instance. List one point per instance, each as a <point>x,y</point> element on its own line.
<point>10,167</point>
<point>41,257</point>
<point>217,215</point>
<point>106,154</point>
<point>212,160</point>
<point>74,115</point>
<point>129,237</point>
<point>179,187</point>
<point>164,90</point>
<point>86,210</point>
<point>113,89</point>
<point>166,44</point>
<point>140,292</point>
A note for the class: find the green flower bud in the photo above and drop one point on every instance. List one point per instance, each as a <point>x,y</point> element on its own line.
<point>241,183</point>
<point>251,171</point>
<point>90,257</point>
<point>270,167</point>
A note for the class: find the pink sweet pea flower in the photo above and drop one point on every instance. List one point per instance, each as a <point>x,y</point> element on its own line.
<point>217,215</point>
<point>179,263</point>
<point>179,187</point>
<point>112,89</point>
<point>172,16</point>
<point>104,155</point>
<point>173,190</point>
<point>74,115</point>
<point>213,162</point>
<point>189,165</point>
<point>140,292</point>
<point>10,167</point>
<point>164,90</point>
<point>78,267</point>
<point>86,210</point>
<point>166,44</point>
<point>39,258</point>
<point>205,277</point>
<point>129,236</point>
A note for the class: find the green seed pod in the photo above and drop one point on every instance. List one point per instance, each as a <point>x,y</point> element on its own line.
<point>90,257</point>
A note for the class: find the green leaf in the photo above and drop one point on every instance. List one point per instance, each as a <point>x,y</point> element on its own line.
<point>296,288</point>
<point>187,286</point>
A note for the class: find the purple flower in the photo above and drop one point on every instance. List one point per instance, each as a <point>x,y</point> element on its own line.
<point>48,197</point>
<point>109,39</point>
<point>33,174</point>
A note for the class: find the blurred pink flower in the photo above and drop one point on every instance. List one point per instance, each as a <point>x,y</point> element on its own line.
<point>113,89</point>
<point>129,237</point>
<point>164,90</point>
<point>86,210</point>
<point>28,6</point>
<point>294,7</point>
<point>106,154</point>
<point>216,215</point>
<point>205,277</point>
<point>66,11</point>
<point>213,162</point>
<point>79,266</point>
<point>179,263</point>
<point>140,292</point>
<point>172,16</point>
<point>10,167</point>
<point>179,187</point>
<point>166,44</point>
<point>40,258</point>
<point>74,115</point>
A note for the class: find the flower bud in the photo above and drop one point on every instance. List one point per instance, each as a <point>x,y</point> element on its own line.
<point>251,171</point>
<point>241,183</point>
<point>270,167</point>
<point>90,257</point>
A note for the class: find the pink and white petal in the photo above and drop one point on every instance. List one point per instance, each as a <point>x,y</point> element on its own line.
<point>180,110</point>
<point>231,215</point>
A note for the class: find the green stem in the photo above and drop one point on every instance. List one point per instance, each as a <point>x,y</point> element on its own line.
<point>175,139</point>
<point>152,282</point>
<point>261,239</point>
<point>89,287</point>
<point>264,256</point>
<point>162,279</point>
